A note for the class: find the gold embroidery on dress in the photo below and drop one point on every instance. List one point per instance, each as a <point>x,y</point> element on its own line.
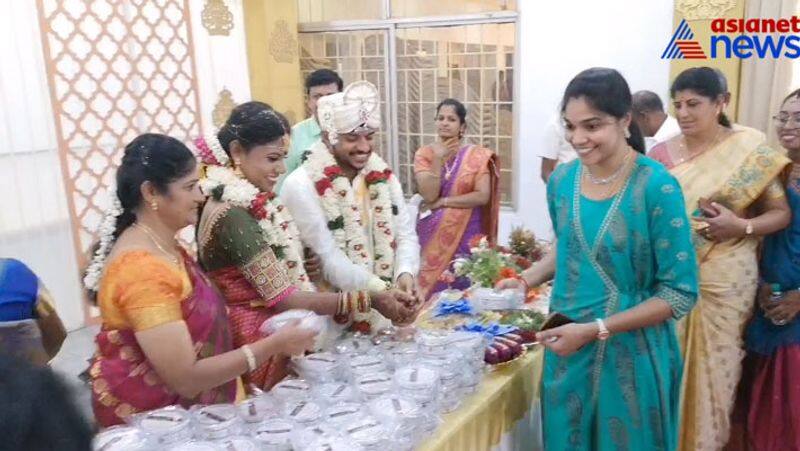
<point>267,274</point>
<point>212,213</point>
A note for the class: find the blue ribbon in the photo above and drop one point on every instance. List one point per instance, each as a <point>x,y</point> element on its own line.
<point>490,330</point>
<point>461,306</point>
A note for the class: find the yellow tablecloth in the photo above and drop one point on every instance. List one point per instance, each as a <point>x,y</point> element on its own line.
<point>502,399</point>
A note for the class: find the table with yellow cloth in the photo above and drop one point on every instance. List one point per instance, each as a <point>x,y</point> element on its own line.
<point>503,414</point>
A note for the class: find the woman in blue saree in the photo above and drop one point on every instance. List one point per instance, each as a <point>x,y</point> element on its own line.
<point>624,268</point>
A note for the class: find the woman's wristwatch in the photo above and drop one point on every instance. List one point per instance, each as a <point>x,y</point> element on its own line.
<point>602,330</point>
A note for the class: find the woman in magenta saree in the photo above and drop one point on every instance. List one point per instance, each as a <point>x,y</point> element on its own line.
<point>165,335</point>
<point>459,184</point>
<point>123,380</point>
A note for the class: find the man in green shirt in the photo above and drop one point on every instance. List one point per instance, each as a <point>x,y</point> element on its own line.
<point>319,83</point>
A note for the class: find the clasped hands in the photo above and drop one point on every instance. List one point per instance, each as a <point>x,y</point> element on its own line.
<point>401,303</point>
<point>722,224</point>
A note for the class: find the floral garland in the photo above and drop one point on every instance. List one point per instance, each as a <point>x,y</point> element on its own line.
<point>106,232</point>
<point>343,212</point>
<point>277,226</point>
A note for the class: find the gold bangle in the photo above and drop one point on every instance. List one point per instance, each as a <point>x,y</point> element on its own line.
<point>250,357</point>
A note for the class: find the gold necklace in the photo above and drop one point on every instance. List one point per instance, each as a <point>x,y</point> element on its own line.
<point>154,238</point>
<point>687,155</point>
<point>448,169</point>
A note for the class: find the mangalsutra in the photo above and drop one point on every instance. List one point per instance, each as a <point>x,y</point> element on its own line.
<point>448,169</point>
<point>154,238</point>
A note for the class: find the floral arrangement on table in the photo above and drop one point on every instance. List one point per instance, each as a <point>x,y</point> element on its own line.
<point>486,264</point>
<point>523,243</point>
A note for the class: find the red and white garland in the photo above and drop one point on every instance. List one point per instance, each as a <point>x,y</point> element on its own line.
<point>343,213</point>
<point>277,225</point>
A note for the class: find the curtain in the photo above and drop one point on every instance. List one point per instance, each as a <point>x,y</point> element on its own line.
<point>34,218</point>
<point>765,82</point>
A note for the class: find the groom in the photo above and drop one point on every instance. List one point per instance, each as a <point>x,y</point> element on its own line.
<point>348,205</point>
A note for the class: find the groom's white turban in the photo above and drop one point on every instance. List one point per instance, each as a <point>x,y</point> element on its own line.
<point>354,110</point>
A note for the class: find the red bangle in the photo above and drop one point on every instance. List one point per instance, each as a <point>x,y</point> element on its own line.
<point>525,284</point>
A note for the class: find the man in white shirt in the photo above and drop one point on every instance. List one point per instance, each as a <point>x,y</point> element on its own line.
<point>648,114</point>
<point>556,149</point>
<point>348,205</point>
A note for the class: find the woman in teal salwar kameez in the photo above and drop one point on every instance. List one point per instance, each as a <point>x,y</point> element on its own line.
<point>624,268</point>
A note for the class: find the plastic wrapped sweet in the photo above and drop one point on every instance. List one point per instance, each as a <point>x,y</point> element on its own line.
<point>320,367</point>
<point>275,435</point>
<point>239,443</point>
<point>471,344</point>
<point>257,409</point>
<point>343,413</point>
<point>336,443</point>
<point>323,325</point>
<point>304,438</point>
<point>196,445</point>
<point>373,385</point>
<point>402,415</point>
<point>368,363</point>
<point>405,354</point>
<point>303,412</point>
<point>370,433</point>
<point>121,438</point>
<point>353,346</point>
<point>491,299</point>
<point>336,392</point>
<point>290,389</point>
<point>470,380</point>
<point>166,426</point>
<point>216,421</point>
<point>434,341</point>
<point>420,383</point>
<point>451,367</point>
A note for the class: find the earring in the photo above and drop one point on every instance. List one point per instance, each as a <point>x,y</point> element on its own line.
<point>237,169</point>
<point>154,205</point>
<point>627,133</point>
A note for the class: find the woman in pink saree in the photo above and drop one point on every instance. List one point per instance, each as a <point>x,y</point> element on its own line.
<point>459,184</point>
<point>165,337</point>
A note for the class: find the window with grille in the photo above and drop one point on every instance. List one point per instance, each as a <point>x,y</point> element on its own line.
<point>416,62</point>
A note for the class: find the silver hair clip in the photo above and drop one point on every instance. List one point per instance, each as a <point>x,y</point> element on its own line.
<point>145,155</point>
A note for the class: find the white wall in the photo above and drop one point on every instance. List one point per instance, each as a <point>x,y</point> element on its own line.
<point>557,40</point>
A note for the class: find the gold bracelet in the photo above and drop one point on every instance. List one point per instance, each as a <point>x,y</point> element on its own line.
<point>250,357</point>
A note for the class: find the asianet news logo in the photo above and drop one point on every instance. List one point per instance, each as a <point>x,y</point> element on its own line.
<point>738,38</point>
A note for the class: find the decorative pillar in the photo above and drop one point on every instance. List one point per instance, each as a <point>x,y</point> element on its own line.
<point>698,15</point>
<point>272,54</point>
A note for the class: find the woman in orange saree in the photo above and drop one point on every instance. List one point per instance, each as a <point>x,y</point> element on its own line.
<point>459,184</point>
<point>165,337</point>
<point>729,180</point>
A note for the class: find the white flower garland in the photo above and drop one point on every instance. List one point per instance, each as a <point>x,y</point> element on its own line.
<point>278,227</point>
<point>339,202</point>
<point>106,230</point>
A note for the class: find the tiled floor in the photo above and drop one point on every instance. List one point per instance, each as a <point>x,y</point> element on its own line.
<point>72,360</point>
